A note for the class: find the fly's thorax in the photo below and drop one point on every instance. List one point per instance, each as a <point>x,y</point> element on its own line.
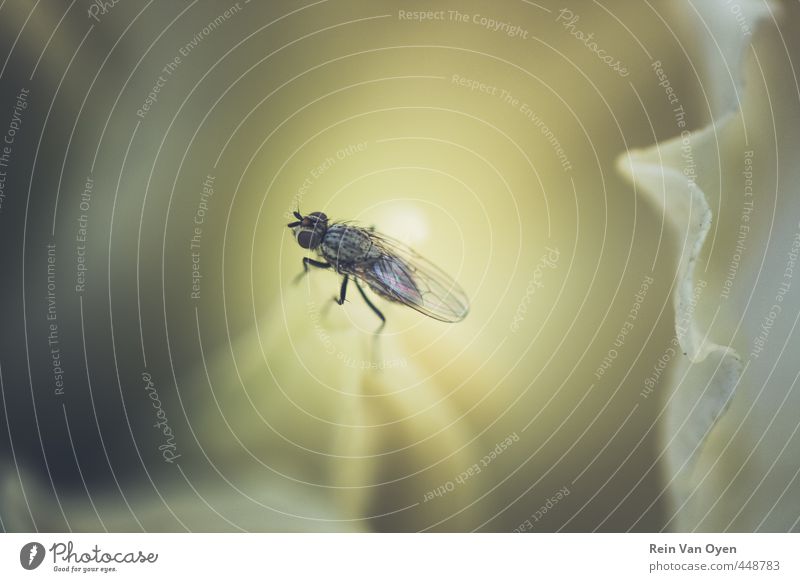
<point>347,244</point>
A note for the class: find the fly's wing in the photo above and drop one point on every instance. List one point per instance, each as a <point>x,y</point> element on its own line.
<point>403,275</point>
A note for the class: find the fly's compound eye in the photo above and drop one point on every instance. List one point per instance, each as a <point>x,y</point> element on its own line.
<point>309,239</point>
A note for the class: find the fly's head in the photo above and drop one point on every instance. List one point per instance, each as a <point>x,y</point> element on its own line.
<point>309,230</point>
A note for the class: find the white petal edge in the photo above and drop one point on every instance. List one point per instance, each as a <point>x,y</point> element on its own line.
<point>656,175</point>
<point>691,417</point>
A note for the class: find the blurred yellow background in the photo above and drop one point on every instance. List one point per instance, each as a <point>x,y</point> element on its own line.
<point>484,136</point>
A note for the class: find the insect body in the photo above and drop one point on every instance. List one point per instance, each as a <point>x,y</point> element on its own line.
<point>390,268</point>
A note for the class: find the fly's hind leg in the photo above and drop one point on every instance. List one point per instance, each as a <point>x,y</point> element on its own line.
<point>374,309</point>
<point>375,355</point>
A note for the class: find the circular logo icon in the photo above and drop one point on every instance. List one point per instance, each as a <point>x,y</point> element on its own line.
<point>31,555</point>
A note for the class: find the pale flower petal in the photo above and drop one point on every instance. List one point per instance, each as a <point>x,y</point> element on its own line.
<point>728,193</point>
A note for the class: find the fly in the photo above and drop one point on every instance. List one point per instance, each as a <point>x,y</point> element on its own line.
<point>388,267</point>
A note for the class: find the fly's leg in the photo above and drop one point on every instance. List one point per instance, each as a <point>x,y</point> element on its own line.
<point>375,355</point>
<point>313,263</point>
<point>342,291</point>
<point>372,307</point>
<point>340,299</point>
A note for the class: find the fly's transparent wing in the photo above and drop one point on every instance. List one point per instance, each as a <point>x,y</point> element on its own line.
<point>401,274</point>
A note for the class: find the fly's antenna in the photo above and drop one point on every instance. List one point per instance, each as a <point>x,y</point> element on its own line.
<point>297,215</point>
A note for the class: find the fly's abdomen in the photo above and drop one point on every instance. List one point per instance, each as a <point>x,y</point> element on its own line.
<point>346,244</point>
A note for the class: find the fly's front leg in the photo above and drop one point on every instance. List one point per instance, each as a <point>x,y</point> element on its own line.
<point>313,263</point>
